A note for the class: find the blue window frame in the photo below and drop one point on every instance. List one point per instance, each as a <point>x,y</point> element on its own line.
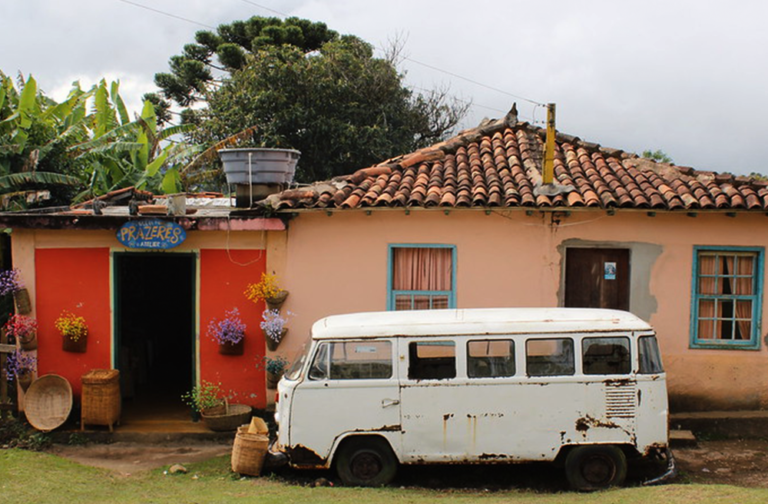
<point>421,277</point>
<point>726,297</point>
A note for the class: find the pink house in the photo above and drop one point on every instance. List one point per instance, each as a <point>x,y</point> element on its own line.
<point>465,223</point>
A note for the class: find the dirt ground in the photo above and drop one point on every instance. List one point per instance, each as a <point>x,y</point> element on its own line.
<point>734,462</point>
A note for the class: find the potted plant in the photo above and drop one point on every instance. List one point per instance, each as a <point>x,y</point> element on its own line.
<point>209,401</point>
<point>20,367</point>
<point>228,332</point>
<point>275,367</point>
<point>268,290</point>
<point>24,330</point>
<point>74,332</point>
<point>10,283</point>
<point>273,325</point>
<point>206,397</point>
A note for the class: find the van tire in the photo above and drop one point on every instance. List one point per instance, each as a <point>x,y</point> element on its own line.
<point>366,461</point>
<point>595,467</point>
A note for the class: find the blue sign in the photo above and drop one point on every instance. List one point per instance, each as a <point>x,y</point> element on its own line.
<point>151,234</point>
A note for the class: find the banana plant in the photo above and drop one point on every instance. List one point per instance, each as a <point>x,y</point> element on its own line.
<point>122,153</point>
<point>34,132</point>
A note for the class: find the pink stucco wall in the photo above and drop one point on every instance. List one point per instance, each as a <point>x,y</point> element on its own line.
<point>338,264</point>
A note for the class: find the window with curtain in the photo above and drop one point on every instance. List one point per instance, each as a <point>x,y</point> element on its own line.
<point>422,278</point>
<point>727,298</point>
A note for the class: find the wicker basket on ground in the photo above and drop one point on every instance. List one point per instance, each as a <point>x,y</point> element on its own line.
<point>101,398</point>
<point>48,402</point>
<point>248,452</point>
<point>234,416</point>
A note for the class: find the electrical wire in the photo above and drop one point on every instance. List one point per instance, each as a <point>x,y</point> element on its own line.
<point>432,67</point>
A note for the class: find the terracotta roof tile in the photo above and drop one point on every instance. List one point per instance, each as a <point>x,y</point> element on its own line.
<point>499,164</point>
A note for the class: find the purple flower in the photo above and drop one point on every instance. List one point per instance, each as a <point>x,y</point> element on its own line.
<point>231,329</point>
<point>273,324</point>
<point>10,282</point>
<point>19,363</point>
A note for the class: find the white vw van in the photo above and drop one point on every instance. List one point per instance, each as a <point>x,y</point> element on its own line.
<point>581,387</point>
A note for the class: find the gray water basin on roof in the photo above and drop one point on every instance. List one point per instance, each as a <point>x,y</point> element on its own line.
<point>259,166</point>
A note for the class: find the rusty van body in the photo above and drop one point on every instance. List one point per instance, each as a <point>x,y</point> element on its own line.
<point>581,387</point>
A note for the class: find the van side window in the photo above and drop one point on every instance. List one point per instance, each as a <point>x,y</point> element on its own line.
<point>549,357</point>
<point>650,357</point>
<point>603,356</point>
<point>353,360</point>
<point>431,360</point>
<point>490,358</point>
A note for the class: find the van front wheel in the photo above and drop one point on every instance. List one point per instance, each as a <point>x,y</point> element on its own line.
<point>595,467</point>
<point>366,462</point>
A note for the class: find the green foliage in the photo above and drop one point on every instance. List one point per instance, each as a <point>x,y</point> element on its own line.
<point>191,74</point>
<point>275,365</point>
<point>17,434</point>
<point>204,396</point>
<point>657,155</point>
<point>340,106</point>
<point>35,133</point>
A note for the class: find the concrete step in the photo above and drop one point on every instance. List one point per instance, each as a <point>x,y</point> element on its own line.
<point>682,439</point>
<point>728,424</point>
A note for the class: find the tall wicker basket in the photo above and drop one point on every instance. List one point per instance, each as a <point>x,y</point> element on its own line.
<point>101,398</point>
<point>248,452</point>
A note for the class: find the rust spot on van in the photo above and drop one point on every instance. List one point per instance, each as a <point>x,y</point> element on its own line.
<point>493,456</point>
<point>583,424</point>
<point>623,382</point>
<point>390,428</point>
<point>447,417</point>
<point>303,456</point>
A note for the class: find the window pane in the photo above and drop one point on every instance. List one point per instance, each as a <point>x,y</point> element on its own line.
<point>549,357</point>
<point>403,302</point>
<point>726,295</point>
<point>601,356</point>
<point>431,360</point>
<point>490,358</point>
<point>361,360</point>
<point>650,357</point>
<point>422,269</point>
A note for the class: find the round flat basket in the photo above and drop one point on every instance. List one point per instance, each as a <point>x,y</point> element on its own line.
<point>236,415</point>
<point>48,402</point>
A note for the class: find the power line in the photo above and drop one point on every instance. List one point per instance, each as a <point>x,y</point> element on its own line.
<point>432,67</point>
<point>167,14</point>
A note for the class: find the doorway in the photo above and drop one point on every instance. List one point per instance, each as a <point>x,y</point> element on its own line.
<point>155,329</point>
<point>597,278</point>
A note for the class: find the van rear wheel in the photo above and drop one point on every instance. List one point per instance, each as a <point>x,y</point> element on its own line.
<point>366,462</point>
<point>595,467</point>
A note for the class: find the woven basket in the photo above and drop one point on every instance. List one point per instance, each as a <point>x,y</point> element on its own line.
<point>248,452</point>
<point>236,415</point>
<point>48,402</point>
<point>101,398</point>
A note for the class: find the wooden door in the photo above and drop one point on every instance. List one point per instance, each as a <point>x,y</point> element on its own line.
<point>597,278</point>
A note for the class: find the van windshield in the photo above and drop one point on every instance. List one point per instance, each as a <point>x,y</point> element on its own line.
<point>294,370</point>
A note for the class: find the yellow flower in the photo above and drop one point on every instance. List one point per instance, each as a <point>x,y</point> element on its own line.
<point>267,288</point>
<point>71,326</point>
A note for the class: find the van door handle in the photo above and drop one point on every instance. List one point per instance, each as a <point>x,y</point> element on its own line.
<point>386,403</point>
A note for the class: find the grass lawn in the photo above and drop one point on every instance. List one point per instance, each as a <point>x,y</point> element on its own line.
<point>31,477</point>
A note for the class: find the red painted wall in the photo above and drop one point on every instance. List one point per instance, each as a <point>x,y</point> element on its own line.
<point>224,276</point>
<point>76,280</point>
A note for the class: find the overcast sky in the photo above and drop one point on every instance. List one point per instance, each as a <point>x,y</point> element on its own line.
<point>687,77</point>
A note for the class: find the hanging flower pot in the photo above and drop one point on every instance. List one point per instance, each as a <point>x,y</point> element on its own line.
<point>22,302</point>
<point>273,379</point>
<point>276,302</point>
<point>28,341</point>
<point>229,333</point>
<point>24,330</point>
<point>25,380</point>
<point>227,348</point>
<point>268,290</point>
<point>74,332</point>
<point>79,345</point>
<point>273,340</point>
